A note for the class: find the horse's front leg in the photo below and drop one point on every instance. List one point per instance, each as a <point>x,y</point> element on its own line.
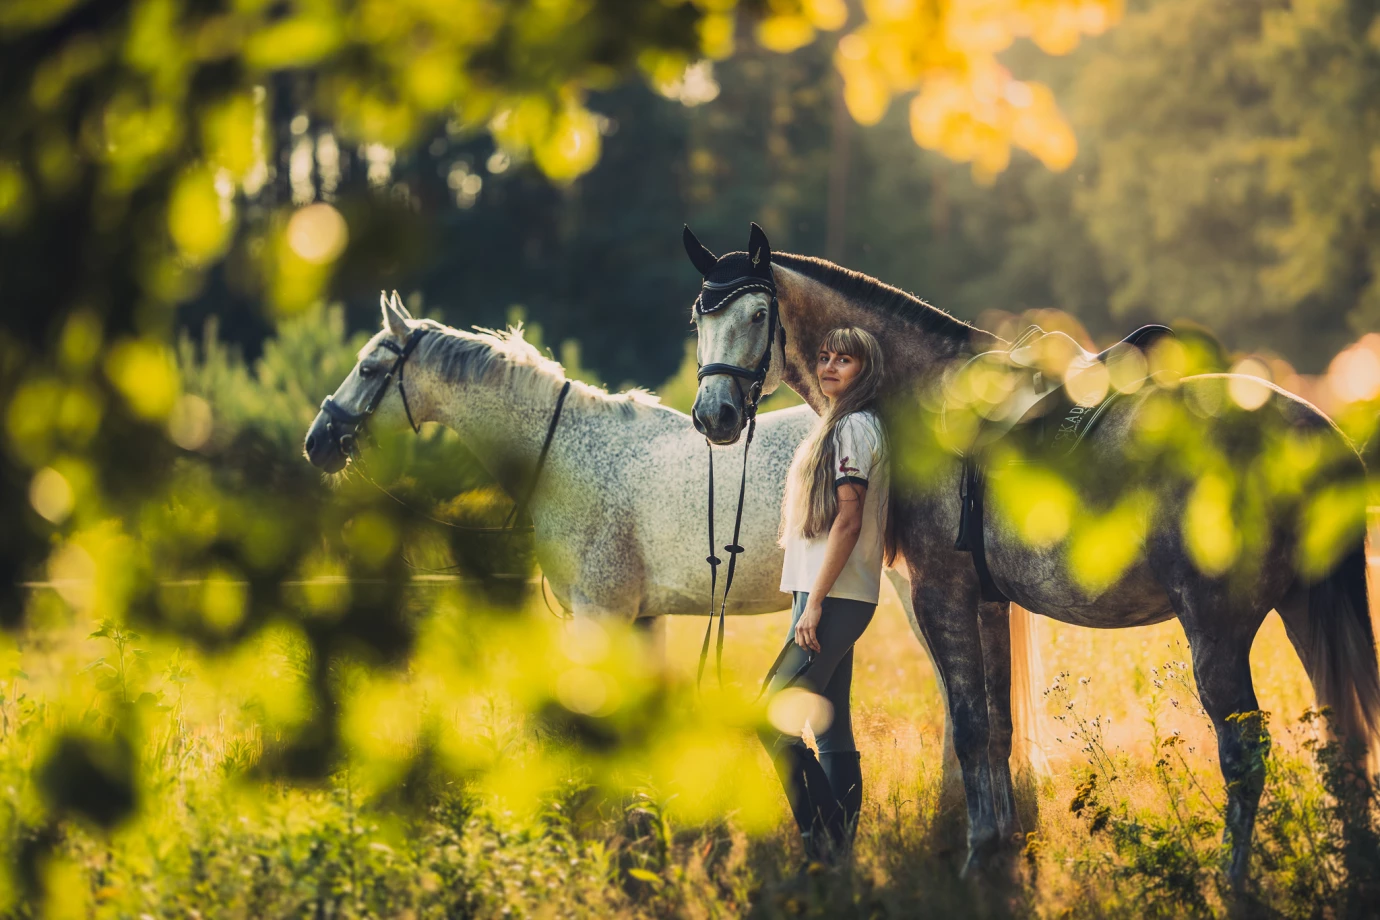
<point>994,627</point>
<point>947,605</point>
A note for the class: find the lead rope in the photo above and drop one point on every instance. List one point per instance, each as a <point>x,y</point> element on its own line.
<point>713,561</point>
<point>734,550</point>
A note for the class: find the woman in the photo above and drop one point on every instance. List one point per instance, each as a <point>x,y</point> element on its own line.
<point>834,535</point>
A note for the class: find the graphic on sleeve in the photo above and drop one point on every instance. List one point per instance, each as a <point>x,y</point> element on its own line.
<point>845,469</point>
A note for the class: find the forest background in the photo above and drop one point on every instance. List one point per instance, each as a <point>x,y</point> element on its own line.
<point>1226,173</point>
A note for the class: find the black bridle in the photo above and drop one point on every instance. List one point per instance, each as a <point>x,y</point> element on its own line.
<point>730,291</point>
<point>348,421</point>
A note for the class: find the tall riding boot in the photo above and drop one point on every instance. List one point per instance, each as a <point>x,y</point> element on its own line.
<point>844,769</point>
<point>816,810</point>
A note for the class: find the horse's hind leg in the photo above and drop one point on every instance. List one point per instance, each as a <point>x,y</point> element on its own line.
<point>994,627</point>
<point>946,606</point>
<point>1220,634</point>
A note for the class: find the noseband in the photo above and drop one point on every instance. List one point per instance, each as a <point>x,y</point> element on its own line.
<point>721,294</point>
<point>342,424</point>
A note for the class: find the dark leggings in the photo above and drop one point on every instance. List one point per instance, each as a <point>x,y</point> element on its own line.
<point>830,671</point>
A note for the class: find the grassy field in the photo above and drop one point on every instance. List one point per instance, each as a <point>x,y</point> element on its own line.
<point>1125,738</point>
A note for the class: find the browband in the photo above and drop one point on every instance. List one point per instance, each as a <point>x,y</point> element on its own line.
<point>722,293</point>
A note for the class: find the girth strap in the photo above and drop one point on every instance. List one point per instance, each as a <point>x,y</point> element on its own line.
<point>970,528</point>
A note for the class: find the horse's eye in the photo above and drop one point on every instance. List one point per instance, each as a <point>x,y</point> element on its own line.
<point>759,316</point>
<point>366,371</point>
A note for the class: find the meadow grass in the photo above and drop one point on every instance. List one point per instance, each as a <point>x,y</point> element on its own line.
<point>1129,808</point>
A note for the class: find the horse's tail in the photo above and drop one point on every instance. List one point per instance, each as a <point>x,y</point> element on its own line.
<point>1027,676</point>
<point>1340,652</point>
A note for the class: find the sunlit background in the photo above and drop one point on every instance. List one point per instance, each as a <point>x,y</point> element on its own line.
<point>229,688</point>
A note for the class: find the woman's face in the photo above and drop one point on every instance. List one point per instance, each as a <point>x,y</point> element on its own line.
<point>836,371</point>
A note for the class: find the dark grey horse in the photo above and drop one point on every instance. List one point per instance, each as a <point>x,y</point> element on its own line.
<point>1227,513</point>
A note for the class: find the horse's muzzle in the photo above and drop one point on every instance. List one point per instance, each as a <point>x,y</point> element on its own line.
<point>718,420</point>
<point>322,448</point>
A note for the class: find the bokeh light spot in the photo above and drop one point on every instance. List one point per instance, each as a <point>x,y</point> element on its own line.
<point>144,372</point>
<point>199,216</point>
<point>223,601</point>
<point>585,641</point>
<point>372,538</point>
<point>317,234</point>
<point>73,574</point>
<point>1354,375</point>
<point>189,423</point>
<point>795,707</point>
<point>583,690</point>
<point>1087,386</point>
<point>1127,369</point>
<point>1247,389</point>
<point>51,495</point>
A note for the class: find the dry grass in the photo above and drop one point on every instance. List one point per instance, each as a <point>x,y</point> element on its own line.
<point>208,846</point>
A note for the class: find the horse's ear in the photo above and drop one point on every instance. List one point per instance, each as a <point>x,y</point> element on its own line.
<point>699,254</point>
<point>398,305</point>
<point>393,321</point>
<point>759,250</point>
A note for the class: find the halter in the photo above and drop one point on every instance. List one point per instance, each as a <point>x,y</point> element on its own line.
<point>721,294</point>
<point>348,421</point>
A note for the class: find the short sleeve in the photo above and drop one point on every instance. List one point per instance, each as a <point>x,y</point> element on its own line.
<point>857,449</point>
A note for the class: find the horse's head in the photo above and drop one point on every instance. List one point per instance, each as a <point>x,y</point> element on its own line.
<point>375,389</point>
<point>739,329</point>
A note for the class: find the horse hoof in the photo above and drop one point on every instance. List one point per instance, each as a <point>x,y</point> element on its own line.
<point>980,856</point>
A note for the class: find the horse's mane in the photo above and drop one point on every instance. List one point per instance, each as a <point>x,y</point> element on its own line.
<point>506,358</point>
<point>856,286</point>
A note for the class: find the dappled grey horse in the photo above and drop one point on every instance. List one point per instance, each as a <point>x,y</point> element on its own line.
<point>619,509</point>
<point>1232,512</point>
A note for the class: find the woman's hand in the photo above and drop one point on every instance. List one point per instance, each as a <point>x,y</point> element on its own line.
<point>806,628</point>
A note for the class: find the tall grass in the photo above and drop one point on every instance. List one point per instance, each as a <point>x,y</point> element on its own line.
<point>1130,821</point>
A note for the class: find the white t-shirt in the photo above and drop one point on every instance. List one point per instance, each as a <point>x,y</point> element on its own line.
<point>859,458</point>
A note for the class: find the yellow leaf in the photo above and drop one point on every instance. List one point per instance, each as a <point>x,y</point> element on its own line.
<point>1036,501</point>
<point>572,148</point>
<point>14,195</point>
<point>866,96</point>
<point>827,15</point>
<point>229,135</point>
<point>1332,522</point>
<point>144,372</point>
<point>1208,528</point>
<point>784,34</point>
<point>716,35</point>
<point>199,220</point>
<point>292,43</point>
<point>1103,547</point>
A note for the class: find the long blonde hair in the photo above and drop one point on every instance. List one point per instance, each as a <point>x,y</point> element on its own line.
<point>811,499</point>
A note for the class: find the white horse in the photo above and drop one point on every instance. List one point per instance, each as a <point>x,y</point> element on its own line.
<point>619,510</point>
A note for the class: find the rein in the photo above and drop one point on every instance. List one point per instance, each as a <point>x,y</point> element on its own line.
<point>351,421</point>
<point>758,378</point>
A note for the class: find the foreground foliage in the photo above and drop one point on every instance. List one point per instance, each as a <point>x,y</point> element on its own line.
<point>1130,823</point>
